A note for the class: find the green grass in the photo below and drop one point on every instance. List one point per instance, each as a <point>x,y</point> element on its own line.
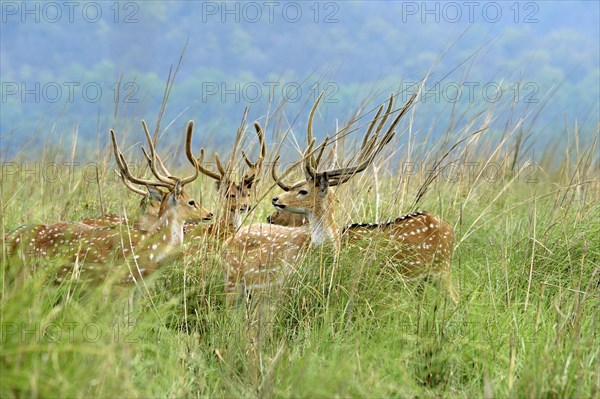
<point>526,266</point>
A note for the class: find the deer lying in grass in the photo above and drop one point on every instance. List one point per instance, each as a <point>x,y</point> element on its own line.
<point>261,254</point>
<point>236,197</point>
<point>95,254</point>
<point>147,212</point>
<point>421,243</point>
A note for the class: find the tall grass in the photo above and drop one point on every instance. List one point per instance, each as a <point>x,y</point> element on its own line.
<point>527,266</point>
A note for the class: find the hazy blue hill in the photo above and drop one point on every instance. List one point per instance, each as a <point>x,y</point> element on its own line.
<point>367,47</point>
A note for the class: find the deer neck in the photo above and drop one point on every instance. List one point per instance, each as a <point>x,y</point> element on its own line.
<point>169,228</point>
<point>235,219</point>
<point>227,222</point>
<point>145,221</point>
<point>323,227</point>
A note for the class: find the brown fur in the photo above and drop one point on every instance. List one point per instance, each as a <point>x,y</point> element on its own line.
<point>262,254</point>
<point>85,253</point>
<point>287,219</point>
<point>236,197</point>
<point>237,203</point>
<point>255,256</point>
<point>147,216</point>
<point>421,244</point>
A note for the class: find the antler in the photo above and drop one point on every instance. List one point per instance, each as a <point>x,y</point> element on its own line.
<point>307,153</point>
<point>218,177</point>
<point>164,181</point>
<point>165,175</point>
<point>124,169</point>
<point>154,159</point>
<point>256,167</point>
<point>278,179</point>
<point>310,164</point>
<point>188,152</point>
<point>371,146</point>
<point>129,185</point>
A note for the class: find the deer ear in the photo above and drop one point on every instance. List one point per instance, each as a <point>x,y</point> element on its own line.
<point>172,200</point>
<point>323,184</point>
<point>251,183</point>
<point>155,194</point>
<point>176,193</point>
<point>249,180</point>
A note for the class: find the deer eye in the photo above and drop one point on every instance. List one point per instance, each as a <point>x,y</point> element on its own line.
<point>303,192</point>
<point>192,203</point>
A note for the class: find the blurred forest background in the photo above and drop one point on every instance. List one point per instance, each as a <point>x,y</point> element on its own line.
<point>60,65</point>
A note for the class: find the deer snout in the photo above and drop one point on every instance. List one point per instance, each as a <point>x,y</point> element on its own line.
<point>276,203</point>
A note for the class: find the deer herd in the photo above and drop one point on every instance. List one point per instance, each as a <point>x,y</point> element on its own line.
<point>170,224</point>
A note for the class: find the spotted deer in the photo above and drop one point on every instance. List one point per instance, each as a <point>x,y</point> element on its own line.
<point>287,219</point>
<point>125,255</point>
<point>290,219</point>
<point>261,254</point>
<point>236,197</point>
<point>421,244</point>
<point>147,212</point>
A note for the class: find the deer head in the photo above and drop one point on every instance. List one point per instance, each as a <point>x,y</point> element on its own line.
<point>236,196</point>
<point>176,198</point>
<point>256,254</point>
<point>149,204</point>
<point>94,253</point>
<point>288,219</point>
<point>313,195</point>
